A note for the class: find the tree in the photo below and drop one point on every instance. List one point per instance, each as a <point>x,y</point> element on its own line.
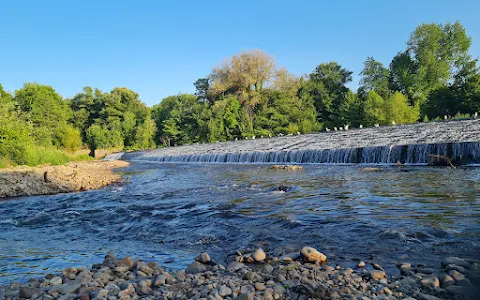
<point>202,87</point>
<point>97,137</point>
<point>374,109</point>
<point>15,139</point>
<point>398,109</point>
<point>178,120</point>
<point>245,74</point>
<point>435,53</point>
<point>44,108</point>
<point>326,87</point>
<point>374,78</point>
<point>145,135</point>
<point>285,113</point>
<point>68,137</point>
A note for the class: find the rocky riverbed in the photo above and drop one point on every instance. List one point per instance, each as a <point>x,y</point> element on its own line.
<point>43,180</point>
<point>254,274</point>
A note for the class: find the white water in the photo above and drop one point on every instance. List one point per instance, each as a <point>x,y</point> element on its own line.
<point>114,156</point>
<point>409,144</point>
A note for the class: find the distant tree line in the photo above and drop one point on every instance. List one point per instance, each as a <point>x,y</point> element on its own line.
<point>249,95</point>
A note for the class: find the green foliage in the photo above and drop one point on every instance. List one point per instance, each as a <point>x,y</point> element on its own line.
<point>374,109</point>
<point>246,96</point>
<point>145,135</point>
<point>435,53</point>
<point>374,78</point>
<point>38,156</point>
<point>68,137</point>
<point>398,110</point>
<point>44,108</point>
<point>326,87</point>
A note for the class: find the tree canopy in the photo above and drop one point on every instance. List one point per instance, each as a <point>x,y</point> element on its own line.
<point>248,95</point>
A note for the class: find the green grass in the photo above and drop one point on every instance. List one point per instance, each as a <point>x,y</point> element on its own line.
<point>34,156</point>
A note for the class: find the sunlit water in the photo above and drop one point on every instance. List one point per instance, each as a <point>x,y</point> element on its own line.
<point>171,212</point>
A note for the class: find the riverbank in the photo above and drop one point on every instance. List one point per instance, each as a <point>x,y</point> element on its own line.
<point>72,177</point>
<point>254,274</point>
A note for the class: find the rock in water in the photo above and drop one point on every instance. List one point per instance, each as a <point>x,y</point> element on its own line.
<point>311,254</point>
<point>259,255</point>
<point>287,167</point>
<point>203,258</point>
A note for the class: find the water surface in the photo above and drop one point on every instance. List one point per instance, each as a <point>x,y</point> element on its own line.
<point>171,212</point>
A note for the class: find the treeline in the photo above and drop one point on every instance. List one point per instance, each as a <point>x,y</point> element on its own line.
<point>249,95</point>
<point>39,126</point>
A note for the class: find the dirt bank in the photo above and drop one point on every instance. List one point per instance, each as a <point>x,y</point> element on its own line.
<point>75,176</point>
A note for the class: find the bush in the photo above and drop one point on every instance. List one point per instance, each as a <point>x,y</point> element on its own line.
<point>38,156</point>
<point>82,157</point>
<point>69,138</point>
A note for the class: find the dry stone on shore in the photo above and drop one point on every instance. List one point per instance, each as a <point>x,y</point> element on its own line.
<point>270,278</point>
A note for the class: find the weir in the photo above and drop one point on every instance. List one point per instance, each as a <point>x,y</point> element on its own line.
<point>405,144</point>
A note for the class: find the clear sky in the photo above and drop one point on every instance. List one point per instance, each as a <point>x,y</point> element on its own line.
<point>159,48</point>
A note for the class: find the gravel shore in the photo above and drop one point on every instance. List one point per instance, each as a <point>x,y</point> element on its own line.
<point>43,180</point>
<point>254,274</point>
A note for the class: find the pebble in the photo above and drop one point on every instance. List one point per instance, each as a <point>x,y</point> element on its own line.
<point>125,262</point>
<point>259,286</point>
<point>311,254</point>
<point>195,267</point>
<point>432,282</point>
<point>361,264</point>
<point>456,290</point>
<point>69,288</point>
<point>377,274</point>
<point>455,261</point>
<point>224,291</point>
<point>456,275</point>
<point>456,268</point>
<point>446,280</point>
<point>28,292</point>
<point>259,255</point>
<point>203,258</point>
<point>205,280</point>
<point>422,296</point>
<point>56,280</point>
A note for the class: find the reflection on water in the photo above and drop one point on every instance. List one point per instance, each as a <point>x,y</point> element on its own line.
<point>171,212</point>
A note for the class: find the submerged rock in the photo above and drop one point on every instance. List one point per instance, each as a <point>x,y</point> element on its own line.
<point>287,167</point>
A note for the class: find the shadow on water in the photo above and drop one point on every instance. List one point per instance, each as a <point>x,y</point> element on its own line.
<point>170,212</point>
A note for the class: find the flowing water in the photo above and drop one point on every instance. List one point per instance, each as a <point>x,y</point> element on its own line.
<point>171,212</point>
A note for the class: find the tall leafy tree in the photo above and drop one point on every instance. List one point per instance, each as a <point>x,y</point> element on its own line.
<point>327,88</point>
<point>374,78</point>
<point>435,53</point>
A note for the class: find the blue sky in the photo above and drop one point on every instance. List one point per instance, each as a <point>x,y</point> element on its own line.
<point>159,48</point>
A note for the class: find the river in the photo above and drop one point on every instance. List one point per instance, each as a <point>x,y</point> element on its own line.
<point>171,212</point>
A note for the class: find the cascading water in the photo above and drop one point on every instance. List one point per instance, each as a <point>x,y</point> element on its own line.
<point>114,156</point>
<point>407,144</point>
<point>463,153</point>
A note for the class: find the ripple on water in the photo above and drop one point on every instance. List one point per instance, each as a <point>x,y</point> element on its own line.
<point>171,212</point>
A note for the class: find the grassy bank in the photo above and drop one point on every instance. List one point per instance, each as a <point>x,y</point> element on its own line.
<point>34,156</point>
